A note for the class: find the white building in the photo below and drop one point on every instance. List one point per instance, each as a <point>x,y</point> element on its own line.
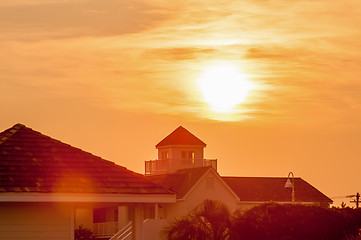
<point>49,188</point>
<point>182,168</point>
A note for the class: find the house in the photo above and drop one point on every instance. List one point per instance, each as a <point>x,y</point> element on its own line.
<point>49,188</point>
<point>181,168</point>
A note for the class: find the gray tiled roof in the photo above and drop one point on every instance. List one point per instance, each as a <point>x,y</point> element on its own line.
<point>181,181</point>
<point>248,189</point>
<point>33,162</point>
<point>273,189</point>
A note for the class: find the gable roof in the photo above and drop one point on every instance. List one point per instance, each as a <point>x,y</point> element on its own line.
<point>183,181</point>
<point>180,182</point>
<point>266,189</point>
<point>180,136</point>
<point>31,162</point>
<point>248,189</point>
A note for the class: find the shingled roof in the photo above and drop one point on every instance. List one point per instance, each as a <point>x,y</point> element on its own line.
<point>31,162</point>
<point>248,189</point>
<point>181,181</point>
<point>180,136</point>
<point>265,189</point>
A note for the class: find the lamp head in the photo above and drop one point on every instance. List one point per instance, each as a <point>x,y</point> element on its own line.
<point>288,183</point>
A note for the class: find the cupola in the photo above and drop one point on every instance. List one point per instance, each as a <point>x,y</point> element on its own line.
<point>180,149</point>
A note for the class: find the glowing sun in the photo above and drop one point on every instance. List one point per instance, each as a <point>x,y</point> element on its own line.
<point>223,86</point>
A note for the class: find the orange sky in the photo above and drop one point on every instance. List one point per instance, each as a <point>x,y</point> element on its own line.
<point>114,77</point>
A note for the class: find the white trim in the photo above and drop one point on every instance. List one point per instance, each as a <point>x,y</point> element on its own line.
<point>156,211</point>
<point>211,169</point>
<point>110,198</point>
<point>279,202</point>
<point>72,222</point>
<point>181,146</point>
<point>258,202</point>
<point>137,223</point>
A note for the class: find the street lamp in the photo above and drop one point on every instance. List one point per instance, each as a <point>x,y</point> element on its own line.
<point>292,185</point>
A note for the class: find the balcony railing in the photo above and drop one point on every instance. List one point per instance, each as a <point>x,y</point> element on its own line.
<point>105,229</point>
<point>169,165</point>
<point>210,162</point>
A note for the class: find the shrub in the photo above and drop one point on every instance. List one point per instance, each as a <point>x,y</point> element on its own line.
<point>82,233</point>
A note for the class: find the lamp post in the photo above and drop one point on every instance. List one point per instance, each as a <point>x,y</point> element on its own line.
<point>292,185</point>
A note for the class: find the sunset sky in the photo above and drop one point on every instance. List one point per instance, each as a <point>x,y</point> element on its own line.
<point>114,77</point>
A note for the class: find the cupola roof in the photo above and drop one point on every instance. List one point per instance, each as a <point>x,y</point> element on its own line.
<point>181,136</point>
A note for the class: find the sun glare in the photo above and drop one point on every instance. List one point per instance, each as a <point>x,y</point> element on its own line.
<point>223,87</point>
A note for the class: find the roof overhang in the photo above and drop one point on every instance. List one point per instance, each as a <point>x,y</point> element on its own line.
<point>87,198</point>
<point>280,202</point>
<point>180,146</point>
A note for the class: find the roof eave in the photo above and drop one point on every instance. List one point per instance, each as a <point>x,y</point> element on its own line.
<point>87,198</point>
<point>180,146</point>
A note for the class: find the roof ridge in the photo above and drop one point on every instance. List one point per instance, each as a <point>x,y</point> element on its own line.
<point>259,177</point>
<point>7,134</point>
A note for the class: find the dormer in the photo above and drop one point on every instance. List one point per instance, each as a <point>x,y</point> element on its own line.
<point>180,149</point>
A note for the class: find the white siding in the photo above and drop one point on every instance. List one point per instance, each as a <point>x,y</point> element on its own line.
<point>84,216</point>
<point>211,188</point>
<point>28,221</point>
<point>153,229</point>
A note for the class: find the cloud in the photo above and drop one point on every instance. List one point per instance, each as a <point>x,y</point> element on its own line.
<point>145,55</point>
<point>64,19</point>
<point>178,53</point>
<point>8,3</point>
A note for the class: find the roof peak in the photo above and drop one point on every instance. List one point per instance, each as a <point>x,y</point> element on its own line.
<point>8,133</point>
<point>19,125</point>
<point>181,136</point>
<point>21,132</point>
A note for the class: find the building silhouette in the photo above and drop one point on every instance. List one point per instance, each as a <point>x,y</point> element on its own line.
<point>49,188</point>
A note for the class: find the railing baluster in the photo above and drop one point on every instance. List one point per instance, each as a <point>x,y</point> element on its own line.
<point>167,165</point>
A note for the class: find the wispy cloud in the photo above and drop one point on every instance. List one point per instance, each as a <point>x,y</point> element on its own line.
<point>64,19</point>
<point>146,55</point>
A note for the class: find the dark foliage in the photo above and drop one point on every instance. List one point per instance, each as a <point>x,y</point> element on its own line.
<point>273,221</point>
<point>212,221</point>
<point>83,233</point>
<point>350,221</point>
<point>208,221</point>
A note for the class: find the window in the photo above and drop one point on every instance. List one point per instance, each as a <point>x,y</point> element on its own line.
<point>187,157</point>
<point>191,157</point>
<point>105,215</point>
<point>149,212</point>
<point>115,214</point>
<point>130,214</point>
<point>99,215</point>
<point>165,155</point>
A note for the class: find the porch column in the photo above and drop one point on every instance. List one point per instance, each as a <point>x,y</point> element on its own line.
<point>72,222</point>
<point>122,217</point>
<point>156,214</point>
<point>137,222</point>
